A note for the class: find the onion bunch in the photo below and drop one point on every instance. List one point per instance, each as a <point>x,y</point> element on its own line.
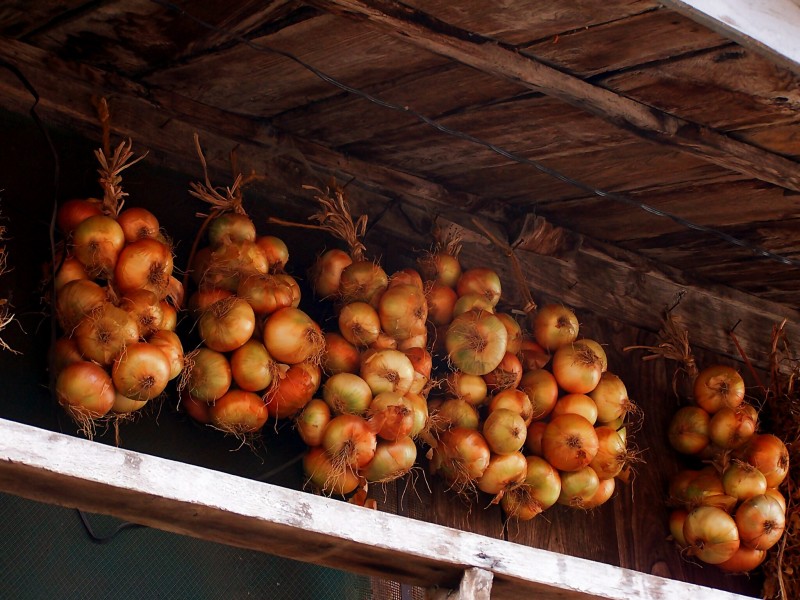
<point>116,303</point>
<point>376,364</point>
<point>259,354</point>
<point>531,420</point>
<point>730,513</point>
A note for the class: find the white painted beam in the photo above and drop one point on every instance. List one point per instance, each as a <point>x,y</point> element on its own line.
<point>190,500</point>
<point>770,27</point>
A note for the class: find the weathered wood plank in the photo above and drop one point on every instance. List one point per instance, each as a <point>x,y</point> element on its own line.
<point>266,84</point>
<point>618,45</point>
<point>663,128</point>
<point>527,20</point>
<point>190,500</point>
<point>719,205</point>
<point>771,27</point>
<point>133,36</point>
<point>20,17</point>
<point>730,88</point>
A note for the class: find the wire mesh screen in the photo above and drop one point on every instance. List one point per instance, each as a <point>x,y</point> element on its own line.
<point>46,552</point>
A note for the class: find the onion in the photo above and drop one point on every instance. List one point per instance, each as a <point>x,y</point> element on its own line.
<point>612,454</point>
<point>505,431</point>
<point>97,242</point>
<point>514,399</point>
<point>769,455</point>
<point>470,302</point>
<point>441,303</point>
<point>138,223</point>
<point>291,336</point>
<point>711,534</point>
<point>476,342</point>
<point>569,442</point>
<point>577,368</point>
<point>718,386</point>
<point>440,267</point>
<point>603,494</point>
<point>312,420</point>
<point>141,372</point>
<point>265,293</point>
<point>688,430</point>
<point>455,412</point>
<point>239,412</point>
<point>504,471</point>
<point>362,281</point>
<point>533,439</point>
<point>292,284</point>
<point>554,326</point>
<point>742,481</point>
<point>231,228</point>
<point>677,518</point>
<point>482,281</point>
<point>532,355</point>
<point>775,493</point>
<point>275,250</point>
<point>76,300</point>
<point>340,355</point>
<point>391,416</point>
<point>170,344</point>
<point>392,460</point>
<point>85,390</point>
<point>610,395</point>
<point>387,371</point>
<point>252,367</point>
<point>744,559</point>
<point>124,405</point>
<point>359,323</point>
<point>347,393</point>
<point>145,309</point>
<point>407,276</point>
<point>731,428</point>
<point>402,309</point>
<point>75,211</point>
<point>578,487</point>
<point>542,390</point>
<point>198,410</point>
<point>201,300</point>
<point>326,272</point>
<point>761,522</point>
<point>514,330</point>
<point>706,489</point>
<point>293,389</point>
<point>227,324</point>
<point>103,334</point>
<point>350,441</point>
<point>576,404</point>
<point>507,374</point>
<point>207,375</point>
<point>319,468</point>
<point>70,269</point>
<point>461,456</point>
<point>422,361</point>
<point>539,491</point>
<point>419,408</point>
<point>470,388</point>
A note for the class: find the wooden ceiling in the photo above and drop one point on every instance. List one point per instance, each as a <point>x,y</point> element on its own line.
<point>666,151</point>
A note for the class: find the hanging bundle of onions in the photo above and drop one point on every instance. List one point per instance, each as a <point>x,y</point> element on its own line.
<point>259,354</point>
<point>115,300</point>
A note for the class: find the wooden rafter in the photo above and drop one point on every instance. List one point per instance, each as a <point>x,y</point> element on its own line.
<point>410,25</point>
<point>770,27</point>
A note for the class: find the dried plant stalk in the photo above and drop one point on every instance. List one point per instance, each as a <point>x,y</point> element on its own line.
<point>334,217</point>
<point>673,345</point>
<point>530,305</point>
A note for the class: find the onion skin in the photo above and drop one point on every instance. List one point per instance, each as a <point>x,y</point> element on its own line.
<point>312,420</point>
<point>239,412</point>
<point>141,372</point>
<point>554,326</point>
<point>717,386</point>
<point>85,388</point>
<point>569,442</point>
<point>97,242</point>
<point>476,342</point>
<point>711,534</point>
<point>321,472</point>
<point>688,431</point>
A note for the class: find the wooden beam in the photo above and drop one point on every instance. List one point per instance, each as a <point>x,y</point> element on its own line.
<point>412,25</point>
<point>189,500</point>
<point>599,278</point>
<point>770,27</point>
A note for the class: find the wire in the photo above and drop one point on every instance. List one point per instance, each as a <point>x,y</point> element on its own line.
<point>104,539</point>
<point>260,47</point>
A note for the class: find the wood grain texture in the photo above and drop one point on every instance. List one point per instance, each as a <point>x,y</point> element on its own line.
<point>640,118</point>
<point>19,18</point>
<point>190,500</point>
